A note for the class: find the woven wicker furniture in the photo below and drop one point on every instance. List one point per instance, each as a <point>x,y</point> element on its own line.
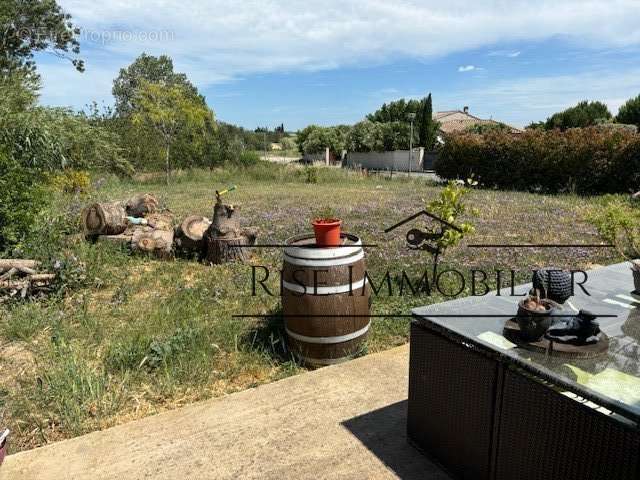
<point>489,411</point>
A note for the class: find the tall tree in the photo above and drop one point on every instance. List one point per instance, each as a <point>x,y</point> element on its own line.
<point>147,68</point>
<point>169,110</point>
<point>630,112</point>
<point>29,26</point>
<point>428,127</point>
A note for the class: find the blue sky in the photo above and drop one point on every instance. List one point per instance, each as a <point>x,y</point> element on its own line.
<point>329,62</point>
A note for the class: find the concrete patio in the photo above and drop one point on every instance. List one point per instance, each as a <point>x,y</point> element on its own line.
<point>344,421</point>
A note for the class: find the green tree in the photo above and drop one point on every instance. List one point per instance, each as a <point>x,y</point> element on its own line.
<point>428,127</point>
<point>629,113</point>
<point>140,145</point>
<point>29,26</point>
<point>169,110</point>
<point>395,111</point>
<point>314,139</point>
<point>584,114</point>
<point>147,68</point>
<point>366,136</point>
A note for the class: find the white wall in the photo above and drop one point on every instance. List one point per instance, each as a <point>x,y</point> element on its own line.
<point>397,160</point>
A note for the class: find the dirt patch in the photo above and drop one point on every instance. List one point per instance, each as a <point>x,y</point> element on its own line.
<point>16,361</point>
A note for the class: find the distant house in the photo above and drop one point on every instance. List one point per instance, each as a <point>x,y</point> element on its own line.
<point>459,120</point>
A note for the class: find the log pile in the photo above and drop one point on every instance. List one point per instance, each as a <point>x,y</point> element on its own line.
<point>140,224</point>
<point>137,223</point>
<point>20,277</point>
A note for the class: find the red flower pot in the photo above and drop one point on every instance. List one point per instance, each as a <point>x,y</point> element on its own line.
<point>327,232</point>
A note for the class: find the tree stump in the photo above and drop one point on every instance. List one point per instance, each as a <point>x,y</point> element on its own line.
<point>225,241</point>
<point>104,219</point>
<point>141,205</point>
<point>190,233</point>
<point>153,241</point>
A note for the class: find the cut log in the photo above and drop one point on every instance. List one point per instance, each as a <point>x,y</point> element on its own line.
<point>122,239</point>
<point>224,240</point>
<point>141,205</point>
<point>104,219</point>
<point>161,221</point>
<point>153,241</point>
<point>8,264</point>
<point>42,278</point>
<point>8,274</point>
<point>190,233</point>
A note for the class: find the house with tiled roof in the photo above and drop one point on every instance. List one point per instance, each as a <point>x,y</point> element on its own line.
<point>459,120</point>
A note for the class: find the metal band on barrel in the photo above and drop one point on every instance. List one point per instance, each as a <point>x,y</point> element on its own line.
<point>329,340</point>
<point>328,262</point>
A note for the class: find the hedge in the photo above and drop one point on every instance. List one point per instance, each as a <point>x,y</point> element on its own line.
<point>581,160</point>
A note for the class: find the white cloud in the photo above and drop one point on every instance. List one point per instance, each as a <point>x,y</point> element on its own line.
<point>466,68</point>
<point>505,53</point>
<point>219,40</point>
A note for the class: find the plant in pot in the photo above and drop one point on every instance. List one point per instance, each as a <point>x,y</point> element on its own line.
<point>618,222</point>
<point>534,316</point>
<point>326,228</point>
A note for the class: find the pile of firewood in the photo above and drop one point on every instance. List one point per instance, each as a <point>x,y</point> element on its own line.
<point>140,224</point>
<point>137,222</point>
<point>20,277</point>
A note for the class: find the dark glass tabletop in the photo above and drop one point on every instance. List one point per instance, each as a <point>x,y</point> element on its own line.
<point>611,379</point>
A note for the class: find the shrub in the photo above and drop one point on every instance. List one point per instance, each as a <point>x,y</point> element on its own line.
<point>72,181</point>
<point>21,198</point>
<point>310,174</point>
<point>618,222</point>
<point>586,161</point>
<point>248,159</point>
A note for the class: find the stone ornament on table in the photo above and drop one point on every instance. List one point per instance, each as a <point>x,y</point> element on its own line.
<point>582,329</point>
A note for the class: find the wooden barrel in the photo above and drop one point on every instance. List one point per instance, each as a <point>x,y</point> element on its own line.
<point>325,299</point>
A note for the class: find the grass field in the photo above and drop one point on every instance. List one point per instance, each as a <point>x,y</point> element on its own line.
<point>139,335</point>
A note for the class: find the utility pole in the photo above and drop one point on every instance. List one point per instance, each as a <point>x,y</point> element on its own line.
<point>412,117</point>
<point>264,136</point>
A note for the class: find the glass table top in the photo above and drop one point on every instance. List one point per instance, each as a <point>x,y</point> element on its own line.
<point>611,379</point>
